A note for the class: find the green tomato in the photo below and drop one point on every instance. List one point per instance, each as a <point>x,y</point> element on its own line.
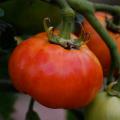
<point>104,107</point>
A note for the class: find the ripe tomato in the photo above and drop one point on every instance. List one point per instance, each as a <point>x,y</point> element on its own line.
<point>104,107</point>
<point>56,77</point>
<point>97,45</point>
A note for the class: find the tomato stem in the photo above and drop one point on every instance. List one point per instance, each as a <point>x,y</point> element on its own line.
<point>114,23</point>
<point>82,7</point>
<point>107,8</point>
<point>111,26</point>
<point>64,37</point>
<point>88,9</point>
<point>106,37</point>
<point>68,16</point>
<point>31,114</point>
<point>110,75</point>
<point>31,104</point>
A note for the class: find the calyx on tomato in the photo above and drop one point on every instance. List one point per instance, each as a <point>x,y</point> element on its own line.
<point>66,43</point>
<point>62,38</point>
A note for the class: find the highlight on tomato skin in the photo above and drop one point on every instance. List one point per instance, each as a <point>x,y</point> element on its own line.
<point>96,43</point>
<point>54,76</point>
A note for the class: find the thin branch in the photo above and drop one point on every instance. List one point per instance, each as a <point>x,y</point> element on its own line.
<point>107,8</point>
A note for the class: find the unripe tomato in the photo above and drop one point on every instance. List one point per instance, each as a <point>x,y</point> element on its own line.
<point>54,76</point>
<point>104,107</point>
<point>97,45</point>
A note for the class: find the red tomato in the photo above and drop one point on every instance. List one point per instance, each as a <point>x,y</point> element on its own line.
<point>97,45</point>
<point>54,76</point>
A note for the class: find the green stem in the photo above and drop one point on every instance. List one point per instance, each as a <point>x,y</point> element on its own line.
<point>63,39</point>
<point>114,10</point>
<point>106,37</point>
<point>62,4</point>
<point>31,114</point>
<point>82,7</point>
<point>107,8</point>
<point>88,9</point>
<point>113,24</point>
<point>66,27</point>
<point>31,105</point>
<point>68,16</point>
<point>110,75</point>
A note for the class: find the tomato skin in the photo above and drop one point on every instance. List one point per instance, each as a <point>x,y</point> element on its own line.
<point>54,76</point>
<point>97,45</point>
<point>104,107</point>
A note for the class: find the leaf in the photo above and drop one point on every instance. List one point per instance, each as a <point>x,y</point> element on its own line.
<point>7,101</point>
<point>32,115</point>
<point>28,18</point>
<point>70,116</point>
<point>75,114</point>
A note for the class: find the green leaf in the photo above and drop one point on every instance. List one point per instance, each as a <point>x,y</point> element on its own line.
<point>7,101</point>
<point>28,16</point>
<point>32,115</point>
<point>70,116</point>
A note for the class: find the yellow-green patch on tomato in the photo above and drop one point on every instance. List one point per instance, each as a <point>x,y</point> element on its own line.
<point>104,107</point>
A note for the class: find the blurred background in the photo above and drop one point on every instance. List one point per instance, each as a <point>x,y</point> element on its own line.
<point>115,2</point>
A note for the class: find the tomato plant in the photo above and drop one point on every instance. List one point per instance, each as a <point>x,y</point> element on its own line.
<point>104,107</point>
<point>54,76</point>
<point>96,43</point>
<point>58,70</point>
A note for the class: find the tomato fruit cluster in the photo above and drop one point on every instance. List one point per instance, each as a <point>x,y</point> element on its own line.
<point>97,45</point>
<point>54,76</point>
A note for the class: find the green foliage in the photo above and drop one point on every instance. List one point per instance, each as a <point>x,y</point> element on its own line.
<point>70,116</point>
<point>7,43</point>
<point>27,15</point>
<point>7,101</point>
